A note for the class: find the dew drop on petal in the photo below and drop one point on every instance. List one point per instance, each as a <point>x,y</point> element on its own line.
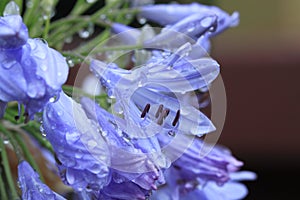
<point>78,154</point>
<point>92,144</point>
<point>70,177</point>
<point>11,9</point>
<point>44,67</point>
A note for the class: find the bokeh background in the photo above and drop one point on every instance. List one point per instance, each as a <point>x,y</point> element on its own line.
<point>260,62</point>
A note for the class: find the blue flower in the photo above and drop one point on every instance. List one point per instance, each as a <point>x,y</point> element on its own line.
<point>30,72</point>
<point>136,159</point>
<point>150,93</point>
<point>172,13</point>
<point>31,186</point>
<point>195,176</point>
<point>14,33</point>
<point>81,152</point>
<point>2,108</point>
<point>190,21</point>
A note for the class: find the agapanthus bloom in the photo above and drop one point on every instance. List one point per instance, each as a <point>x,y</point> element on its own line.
<point>81,152</point>
<point>173,13</point>
<point>200,22</point>
<point>30,72</point>
<point>148,94</point>
<point>31,185</point>
<point>213,176</point>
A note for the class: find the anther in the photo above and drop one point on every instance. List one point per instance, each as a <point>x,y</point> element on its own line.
<point>160,108</point>
<point>160,120</point>
<point>176,119</point>
<point>146,110</point>
<point>165,113</point>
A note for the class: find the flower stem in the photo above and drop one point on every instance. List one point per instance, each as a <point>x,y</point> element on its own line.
<point>28,155</point>
<point>9,136</point>
<point>7,171</point>
<point>2,187</point>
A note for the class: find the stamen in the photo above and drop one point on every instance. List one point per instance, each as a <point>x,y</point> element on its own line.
<point>165,113</point>
<point>160,120</point>
<point>176,119</point>
<point>146,110</point>
<point>160,108</point>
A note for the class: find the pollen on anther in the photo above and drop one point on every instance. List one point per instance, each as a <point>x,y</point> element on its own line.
<point>146,110</point>
<point>160,108</point>
<point>176,119</point>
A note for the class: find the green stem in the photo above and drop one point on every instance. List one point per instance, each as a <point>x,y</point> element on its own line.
<point>2,187</point>
<point>47,26</point>
<point>7,171</point>
<point>28,155</point>
<point>13,142</point>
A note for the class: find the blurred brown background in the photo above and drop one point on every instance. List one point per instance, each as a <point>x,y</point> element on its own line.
<point>260,65</point>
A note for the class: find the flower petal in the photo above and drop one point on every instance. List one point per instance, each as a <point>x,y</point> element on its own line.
<point>31,186</point>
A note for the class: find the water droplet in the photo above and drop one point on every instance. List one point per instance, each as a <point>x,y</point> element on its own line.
<point>191,28</point>
<point>92,144</point>
<point>60,113</point>
<point>87,32</point>
<point>52,99</point>
<point>78,154</point>
<point>103,17</point>
<point>70,62</point>
<point>72,137</point>
<point>91,1</point>
<point>142,20</point>
<point>69,39</point>
<point>11,9</point>
<point>6,141</point>
<point>104,133</point>
<point>46,17</point>
<point>206,22</point>
<point>95,169</point>
<point>44,67</point>
<point>172,133</point>
<point>70,177</point>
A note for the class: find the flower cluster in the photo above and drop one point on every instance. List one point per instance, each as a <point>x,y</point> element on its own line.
<point>149,145</point>
<point>31,73</point>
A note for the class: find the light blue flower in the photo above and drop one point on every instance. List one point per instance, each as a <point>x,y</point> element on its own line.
<point>30,72</point>
<point>148,94</point>
<point>31,186</point>
<point>194,176</point>
<point>193,22</point>
<point>136,159</point>
<point>14,33</point>
<point>82,154</point>
<point>168,14</point>
<point>2,108</point>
